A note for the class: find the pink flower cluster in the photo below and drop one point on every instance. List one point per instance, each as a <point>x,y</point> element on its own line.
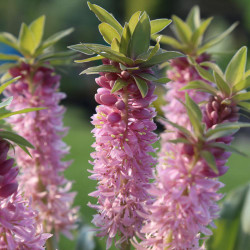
<point>18,221</point>
<point>185,189</point>
<point>42,175</point>
<point>122,164</point>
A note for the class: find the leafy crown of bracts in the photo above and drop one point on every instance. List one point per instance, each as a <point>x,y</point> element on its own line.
<point>190,34</point>
<point>129,48</point>
<point>5,134</point>
<point>32,49</point>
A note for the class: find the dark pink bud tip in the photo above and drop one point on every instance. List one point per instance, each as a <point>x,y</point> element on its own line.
<point>125,75</point>
<point>6,166</point>
<point>8,190</point>
<point>114,117</point>
<point>142,114</point>
<point>15,72</point>
<point>108,99</point>
<point>120,105</point>
<point>132,88</point>
<point>111,76</point>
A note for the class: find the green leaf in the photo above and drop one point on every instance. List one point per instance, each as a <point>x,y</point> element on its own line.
<point>125,39</point>
<point>115,45</point>
<point>6,102</point>
<point>26,40</point>
<point>37,28</point>
<point>119,84</point>
<point>9,57</point>
<point>5,84</point>
<point>159,24</point>
<point>140,38</point>
<point>81,48</point>
<point>193,18</point>
<point>8,39</point>
<point>58,55</point>
<point>200,85</point>
<point>5,67</point>
<point>235,70</point>
<point>204,74</point>
<point>180,140</point>
<point>160,58</point>
<point>155,49</point>
<point>242,97</point>
<point>182,129</point>
<point>105,16</point>
<point>245,105</point>
<point>100,68</point>
<point>133,21</point>
<point>213,66</point>
<point>221,84</point>
<point>209,158</point>
<point>169,41</point>
<point>15,138</point>
<point>108,32</point>
<point>182,30</point>
<point>55,38</point>
<point>150,77</point>
<point>227,148</point>
<point>217,39</point>
<point>195,115</point>
<point>22,111</point>
<point>198,33</point>
<point>142,85</point>
<point>107,52</point>
<point>25,150</point>
<point>243,84</point>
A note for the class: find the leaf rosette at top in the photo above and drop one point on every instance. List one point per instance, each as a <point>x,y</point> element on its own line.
<point>203,139</point>
<point>129,47</point>
<point>8,135</point>
<point>190,34</point>
<point>31,46</point>
<point>232,85</point>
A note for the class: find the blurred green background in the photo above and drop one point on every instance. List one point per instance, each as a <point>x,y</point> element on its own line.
<point>62,14</point>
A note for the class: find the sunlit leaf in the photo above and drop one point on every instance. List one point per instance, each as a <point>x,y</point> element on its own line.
<point>108,32</point>
<point>242,97</point>
<point>100,68</point>
<point>213,66</point>
<point>159,24</point>
<point>8,39</point>
<point>169,41</point>
<point>5,84</point>
<point>9,57</point>
<point>200,85</point>
<point>6,102</point>
<point>26,40</point>
<point>115,45</point>
<point>243,84</point>
<point>142,85</point>
<point>133,21</point>
<point>209,158</point>
<point>125,39</point>
<point>193,18</point>
<point>204,73</point>
<point>222,84</point>
<point>119,84</point>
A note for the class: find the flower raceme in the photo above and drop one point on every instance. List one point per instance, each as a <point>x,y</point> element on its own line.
<point>123,122</point>
<point>42,175</point>
<point>185,186</point>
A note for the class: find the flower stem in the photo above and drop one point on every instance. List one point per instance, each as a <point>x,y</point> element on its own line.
<point>51,243</point>
<point>126,245</point>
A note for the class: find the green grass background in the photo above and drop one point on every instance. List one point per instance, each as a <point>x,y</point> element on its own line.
<point>80,140</point>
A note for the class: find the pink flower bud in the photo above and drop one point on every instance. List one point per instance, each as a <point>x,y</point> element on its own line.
<point>103,82</point>
<point>120,105</point>
<point>111,76</point>
<point>114,117</point>
<point>6,166</point>
<point>108,99</point>
<point>214,116</point>
<point>38,77</point>
<point>97,98</point>
<point>8,190</point>
<point>125,75</point>
<point>142,114</point>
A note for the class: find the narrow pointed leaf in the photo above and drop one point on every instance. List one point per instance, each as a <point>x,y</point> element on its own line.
<point>213,66</point>
<point>169,41</point>
<point>22,111</point>
<point>37,28</point>
<point>228,148</point>
<point>198,34</point>
<point>125,39</point>
<point>200,85</point>
<point>180,140</point>
<point>9,57</point>
<point>6,102</point>
<point>140,39</point>
<point>217,39</point>
<point>26,40</point>
<point>182,30</point>
<point>133,21</point>
<point>56,37</point>
<point>81,48</point>
<point>204,73</point>
<point>142,85</point>
<point>222,84</point>
<point>235,70</point>
<point>5,67</point>
<point>105,16</point>
<point>245,105</point>
<point>242,97</point>
<point>15,138</point>
<point>4,85</point>
<point>243,84</point>
<point>160,58</point>
<point>108,32</point>
<point>8,39</point>
<point>159,24</point>
<point>209,158</point>
<point>193,18</point>
<point>100,68</point>
<point>115,45</point>
<point>119,84</point>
